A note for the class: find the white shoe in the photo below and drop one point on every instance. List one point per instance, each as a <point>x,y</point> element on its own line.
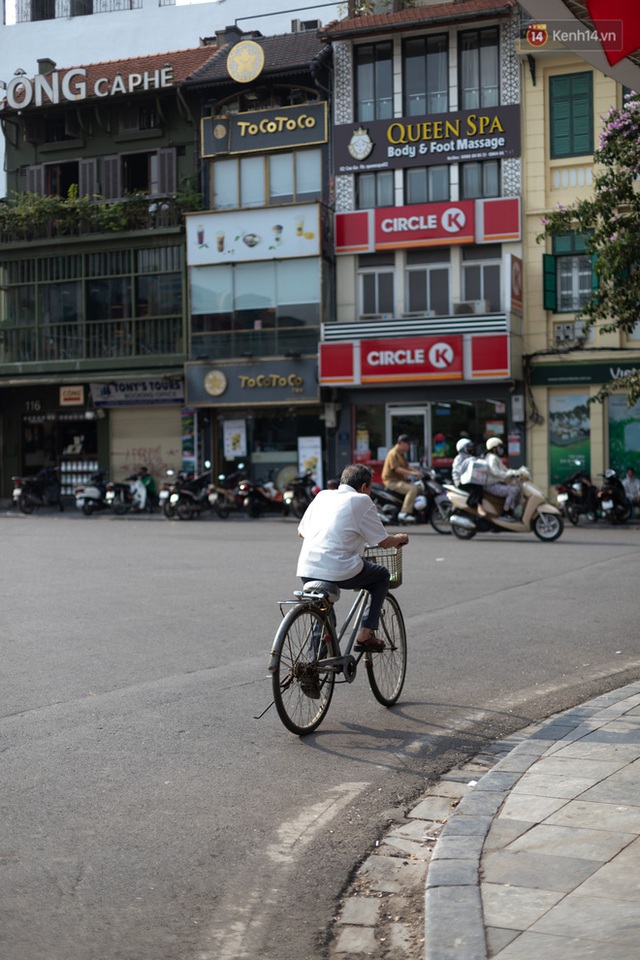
<point>406,518</point>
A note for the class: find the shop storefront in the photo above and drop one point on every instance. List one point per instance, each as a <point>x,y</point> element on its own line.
<point>264,413</point>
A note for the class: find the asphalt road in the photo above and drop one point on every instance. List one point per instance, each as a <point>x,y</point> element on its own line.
<point>146,813</point>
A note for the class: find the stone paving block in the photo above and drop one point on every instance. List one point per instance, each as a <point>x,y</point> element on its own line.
<point>453,924</point>
<point>543,871</point>
<point>531,946</point>
<point>540,785</point>
<point>458,848</point>
<point>393,874</point>
<point>400,941</point>
<point>572,842</point>
<point>356,940</point>
<point>498,780</point>
<point>361,911</point>
<point>467,827</point>
<point>561,766</point>
<point>433,808</point>
<point>597,816</point>
<point>407,847</point>
<point>516,908</point>
<point>498,939</point>
<point>481,804</point>
<point>503,832</point>
<point>417,829</point>
<point>525,806</point>
<point>450,788</point>
<point>593,918</point>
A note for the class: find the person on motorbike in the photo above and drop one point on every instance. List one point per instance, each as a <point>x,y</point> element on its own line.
<point>631,485</point>
<point>150,486</point>
<point>498,477</point>
<point>335,528</point>
<point>396,471</point>
<point>465,449</point>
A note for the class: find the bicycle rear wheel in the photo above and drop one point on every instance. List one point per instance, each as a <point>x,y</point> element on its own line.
<point>386,670</point>
<point>302,691</point>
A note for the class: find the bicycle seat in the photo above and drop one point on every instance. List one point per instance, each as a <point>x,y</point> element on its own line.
<point>327,587</point>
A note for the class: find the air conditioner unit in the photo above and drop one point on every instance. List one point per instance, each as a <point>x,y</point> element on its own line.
<point>468,307</point>
<point>419,315</point>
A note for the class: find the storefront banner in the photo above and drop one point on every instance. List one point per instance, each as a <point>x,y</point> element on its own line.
<point>235,439</point>
<point>424,225</point>
<point>515,284</point>
<point>270,233</point>
<point>624,434</point>
<point>569,435</point>
<point>72,396</point>
<point>442,138</point>
<point>469,357</point>
<point>258,130</point>
<point>428,224</point>
<point>411,358</point>
<point>137,392</point>
<point>252,383</point>
<point>310,457</point>
<point>579,373</point>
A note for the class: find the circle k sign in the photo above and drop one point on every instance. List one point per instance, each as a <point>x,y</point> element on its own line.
<point>411,358</point>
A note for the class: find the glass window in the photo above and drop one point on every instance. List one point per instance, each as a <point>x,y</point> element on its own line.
<point>481,179</point>
<point>159,296</point>
<point>426,75</point>
<point>377,283</point>
<point>426,184</point>
<point>226,192</point>
<point>481,275</point>
<point>60,302</point>
<point>298,281</point>
<point>374,190</point>
<point>374,81</point>
<point>571,115</point>
<point>212,289</point>
<point>280,177</point>
<point>308,174</point>
<point>574,282</point>
<point>479,68</point>
<point>109,299</point>
<point>428,282</point>
<point>252,181</point>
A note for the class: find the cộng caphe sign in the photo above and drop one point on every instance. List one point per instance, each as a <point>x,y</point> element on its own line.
<point>74,85</point>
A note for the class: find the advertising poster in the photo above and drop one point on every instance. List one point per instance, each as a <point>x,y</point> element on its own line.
<point>569,435</point>
<point>235,439</point>
<point>310,457</point>
<point>275,233</point>
<point>624,435</point>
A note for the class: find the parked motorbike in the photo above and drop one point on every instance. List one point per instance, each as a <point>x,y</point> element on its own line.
<point>577,497</point>
<point>225,494</point>
<point>299,493</point>
<point>612,498</point>
<point>130,495</point>
<point>262,496</point>
<point>91,496</point>
<point>190,497</point>
<point>537,514</point>
<point>41,490</point>
<point>431,505</point>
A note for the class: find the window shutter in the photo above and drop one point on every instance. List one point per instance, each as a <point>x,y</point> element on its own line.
<point>111,179</point>
<point>595,280</point>
<point>167,171</point>
<point>88,178</point>
<point>35,179</point>
<point>582,111</point>
<point>571,115</point>
<point>550,284</point>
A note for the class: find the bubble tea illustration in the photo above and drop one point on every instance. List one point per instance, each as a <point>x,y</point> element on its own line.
<point>200,235</point>
<point>220,242</point>
<point>299,222</point>
<point>277,232</point>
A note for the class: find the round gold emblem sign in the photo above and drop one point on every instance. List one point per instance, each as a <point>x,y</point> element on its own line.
<point>245,61</point>
<point>215,383</point>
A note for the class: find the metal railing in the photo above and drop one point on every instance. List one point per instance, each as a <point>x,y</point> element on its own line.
<point>34,10</point>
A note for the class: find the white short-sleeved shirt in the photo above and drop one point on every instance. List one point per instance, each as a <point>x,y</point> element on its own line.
<point>336,526</point>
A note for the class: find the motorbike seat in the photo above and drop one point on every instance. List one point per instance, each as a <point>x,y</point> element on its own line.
<point>327,588</point>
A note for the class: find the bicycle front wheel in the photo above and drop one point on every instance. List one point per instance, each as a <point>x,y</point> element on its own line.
<point>302,690</point>
<point>386,670</point>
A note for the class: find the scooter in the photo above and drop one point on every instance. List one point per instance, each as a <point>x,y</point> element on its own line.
<point>577,497</point>
<point>431,505</point>
<point>191,497</point>
<point>612,498</point>
<point>224,495</point>
<point>299,493</point>
<point>262,496</point>
<point>131,495</point>
<point>41,490</point>
<point>538,515</point>
<point>92,496</point>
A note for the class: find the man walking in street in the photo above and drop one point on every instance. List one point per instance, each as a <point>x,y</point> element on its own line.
<point>395,476</point>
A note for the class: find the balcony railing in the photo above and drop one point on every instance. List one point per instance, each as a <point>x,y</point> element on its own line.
<point>30,217</point>
<point>35,10</point>
<point>414,327</point>
<point>103,340</point>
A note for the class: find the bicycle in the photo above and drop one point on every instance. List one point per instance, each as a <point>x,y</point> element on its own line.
<point>306,656</point>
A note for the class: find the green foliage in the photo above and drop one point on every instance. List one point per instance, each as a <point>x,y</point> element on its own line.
<point>610,219</point>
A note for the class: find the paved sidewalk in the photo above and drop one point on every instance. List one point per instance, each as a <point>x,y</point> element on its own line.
<point>540,859</point>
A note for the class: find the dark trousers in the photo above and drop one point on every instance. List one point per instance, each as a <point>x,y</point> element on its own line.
<point>373,578</point>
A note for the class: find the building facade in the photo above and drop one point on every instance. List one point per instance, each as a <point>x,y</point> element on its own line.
<point>427,335</point>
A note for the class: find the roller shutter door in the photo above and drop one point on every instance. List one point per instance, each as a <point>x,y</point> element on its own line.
<point>149,436</point>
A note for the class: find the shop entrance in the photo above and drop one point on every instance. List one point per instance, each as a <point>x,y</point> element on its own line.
<point>413,421</point>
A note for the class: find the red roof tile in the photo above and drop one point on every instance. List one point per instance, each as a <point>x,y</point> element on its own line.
<point>417,16</point>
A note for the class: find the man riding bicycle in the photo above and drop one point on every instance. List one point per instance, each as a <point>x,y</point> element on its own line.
<point>336,527</point>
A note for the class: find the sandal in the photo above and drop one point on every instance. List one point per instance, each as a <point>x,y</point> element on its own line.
<point>370,645</point>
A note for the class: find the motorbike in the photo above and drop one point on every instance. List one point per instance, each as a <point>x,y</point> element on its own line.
<point>225,495</point>
<point>431,505</point>
<point>262,496</point>
<point>192,496</point>
<point>130,495</point>
<point>537,515</point>
<point>577,497</point>
<point>299,493</point>
<point>91,496</point>
<point>612,498</point>
<point>41,490</point>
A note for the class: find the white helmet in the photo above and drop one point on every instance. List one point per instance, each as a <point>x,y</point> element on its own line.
<point>464,442</point>
<point>494,442</point>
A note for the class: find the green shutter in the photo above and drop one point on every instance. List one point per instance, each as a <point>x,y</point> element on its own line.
<point>550,283</point>
<point>571,115</point>
<point>595,280</point>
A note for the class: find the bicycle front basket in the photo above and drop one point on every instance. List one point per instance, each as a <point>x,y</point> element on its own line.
<point>389,557</point>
